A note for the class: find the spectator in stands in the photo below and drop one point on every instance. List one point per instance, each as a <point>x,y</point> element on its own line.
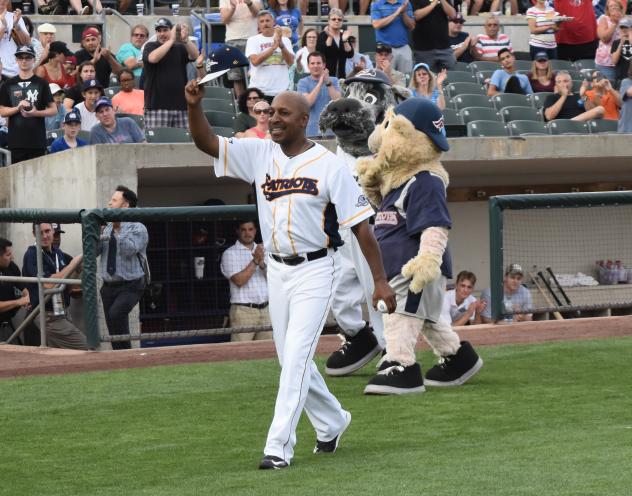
<point>285,13</point>
<point>102,58</point>
<point>13,295</point>
<point>333,43</point>
<point>74,96</point>
<point>61,7</point>
<point>123,250</point>
<point>165,64</point>
<point>622,51</point>
<point>516,298</point>
<point>563,104</point>
<point>55,121</point>
<point>52,67</point>
<point>608,32</point>
<point>60,331</point>
<point>26,101</point>
<point>246,117</point>
<point>576,39</point>
<point>13,33</point>
<point>460,42</point>
<point>270,56</point>
<point>71,127</point>
<point>308,45</point>
<point>625,117</point>
<point>92,91</point>
<point>384,62</point>
<point>393,20</point>
<point>602,94</point>
<point>129,100</point>
<point>477,6</point>
<point>240,18</point>
<point>244,265</point>
<point>541,77</point>
<point>488,45</point>
<point>46,35</point>
<point>359,61</point>
<point>319,88</point>
<point>129,54</point>
<point>425,84</point>
<point>33,41</point>
<point>430,38</point>
<point>112,129</point>
<point>507,79</point>
<point>459,306</point>
<point>262,116</point>
<point>542,29</point>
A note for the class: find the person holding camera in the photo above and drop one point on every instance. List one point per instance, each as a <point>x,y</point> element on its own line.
<point>26,101</point>
<point>563,104</point>
<point>601,94</point>
<point>165,64</point>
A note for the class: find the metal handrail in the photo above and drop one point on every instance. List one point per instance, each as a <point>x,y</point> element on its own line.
<point>206,26</point>
<point>7,156</point>
<point>45,280</point>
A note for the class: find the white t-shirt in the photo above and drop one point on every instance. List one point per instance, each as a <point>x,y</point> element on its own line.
<point>8,47</point>
<point>88,119</point>
<point>451,311</point>
<point>302,200</point>
<point>242,24</point>
<point>272,75</point>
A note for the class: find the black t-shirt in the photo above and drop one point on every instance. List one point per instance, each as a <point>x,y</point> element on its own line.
<point>624,61</point>
<point>26,132</point>
<point>431,32</point>
<point>572,107</point>
<point>456,41</point>
<point>102,67</point>
<point>165,81</point>
<point>10,290</point>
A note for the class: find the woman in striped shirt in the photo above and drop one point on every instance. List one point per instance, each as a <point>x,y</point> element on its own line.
<point>543,27</point>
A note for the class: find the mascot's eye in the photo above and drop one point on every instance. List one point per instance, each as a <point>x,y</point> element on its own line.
<point>370,99</point>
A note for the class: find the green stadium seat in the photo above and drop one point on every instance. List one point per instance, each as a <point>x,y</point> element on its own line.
<point>371,56</point>
<point>483,65</point>
<point>584,64</point>
<point>466,100</point>
<point>470,114</point>
<point>538,99</point>
<point>221,119</point>
<point>482,76</point>
<point>112,90</point>
<point>513,113</point>
<point>138,119</point>
<point>500,100</point>
<point>526,128</point>
<point>451,117</point>
<point>226,132</point>
<point>462,66</point>
<point>454,89</point>
<point>460,77</point>
<point>486,128</point>
<point>575,74</point>
<point>218,92</point>
<point>562,65</point>
<point>84,135</point>
<point>567,126</point>
<point>602,126</point>
<point>523,65</point>
<point>168,135</point>
<point>223,105</point>
<point>577,84</point>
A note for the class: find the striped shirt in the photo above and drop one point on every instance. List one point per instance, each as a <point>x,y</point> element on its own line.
<point>234,260</point>
<point>489,47</point>
<point>543,18</point>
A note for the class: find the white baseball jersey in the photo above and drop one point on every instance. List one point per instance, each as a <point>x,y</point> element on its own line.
<point>302,200</point>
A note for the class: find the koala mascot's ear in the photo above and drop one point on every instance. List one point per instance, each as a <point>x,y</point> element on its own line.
<point>375,138</point>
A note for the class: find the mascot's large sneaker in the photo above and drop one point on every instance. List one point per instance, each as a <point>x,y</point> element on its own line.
<point>354,353</point>
<point>456,369</point>
<point>397,379</point>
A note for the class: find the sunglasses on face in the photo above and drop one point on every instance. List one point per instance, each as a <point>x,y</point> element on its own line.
<point>336,19</point>
<point>493,25</point>
<point>139,35</point>
<point>459,22</point>
<point>24,57</point>
<point>262,111</point>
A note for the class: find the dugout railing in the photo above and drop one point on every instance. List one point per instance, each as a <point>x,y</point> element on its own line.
<point>563,234</point>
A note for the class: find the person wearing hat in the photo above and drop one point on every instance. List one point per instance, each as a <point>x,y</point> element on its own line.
<point>393,20</point>
<point>622,51</point>
<point>92,90</point>
<point>26,101</point>
<point>384,62</point>
<point>541,76</point>
<point>460,41</point>
<point>104,61</point>
<point>542,27</point>
<point>56,121</point>
<point>52,67</point>
<point>129,100</point>
<point>165,69</point>
<point>516,298</point>
<point>71,127</point>
<point>13,33</point>
<point>112,129</point>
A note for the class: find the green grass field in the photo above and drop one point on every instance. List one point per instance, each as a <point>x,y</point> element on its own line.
<point>548,419</point>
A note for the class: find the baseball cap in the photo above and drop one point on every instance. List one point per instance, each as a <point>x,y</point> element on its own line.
<point>383,47</point>
<point>57,228</point>
<point>90,31</point>
<point>458,18</point>
<point>370,76</point>
<point>59,47</point>
<point>227,57</point>
<point>101,102</point>
<point>163,22</point>
<point>626,22</point>
<point>25,50</point>
<point>426,117</point>
<point>47,27</point>
<point>541,56</point>
<point>54,88</point>
<point>514,269</point>
<point>421,65</point>
<point>91,83</point>
<point>72,116</point>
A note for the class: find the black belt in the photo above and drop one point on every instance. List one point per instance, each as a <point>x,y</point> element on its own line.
<point>299,259</point>
<point>120,283</point>
<point>252,305</point>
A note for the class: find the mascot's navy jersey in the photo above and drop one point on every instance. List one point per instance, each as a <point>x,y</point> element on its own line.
<point>422,200</point>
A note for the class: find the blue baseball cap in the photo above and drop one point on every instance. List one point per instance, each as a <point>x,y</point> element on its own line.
<point>226,57</point>
<point>72,116</point>
<point>101,102</point>
<point>426,117</point>
<point>92,83</point>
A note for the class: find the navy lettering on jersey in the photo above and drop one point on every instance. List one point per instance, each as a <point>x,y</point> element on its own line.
<point>276,188</point>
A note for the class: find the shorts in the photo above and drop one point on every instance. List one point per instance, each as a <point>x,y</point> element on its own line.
<point>239,73</point>
<point>166,118</point>
<point>426,305</point>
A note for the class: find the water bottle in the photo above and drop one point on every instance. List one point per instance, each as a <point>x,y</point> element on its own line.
<point>324,8</point>
<point>58,305</point>
<point>508,314</point>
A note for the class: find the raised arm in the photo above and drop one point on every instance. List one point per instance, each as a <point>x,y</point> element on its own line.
<point>202,133</point>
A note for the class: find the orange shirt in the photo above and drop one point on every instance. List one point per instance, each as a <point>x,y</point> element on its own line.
<point>608,102</point>
<point>129,103</point>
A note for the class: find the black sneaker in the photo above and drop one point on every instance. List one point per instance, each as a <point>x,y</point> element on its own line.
<point>354,353</point>
<point>456,369</point>
<point>332,446</point>
<point>384,364</point>
<point>397,379</point>
<point>270,462</point>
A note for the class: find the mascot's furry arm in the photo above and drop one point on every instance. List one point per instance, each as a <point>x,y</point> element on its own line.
<point>426,266</point>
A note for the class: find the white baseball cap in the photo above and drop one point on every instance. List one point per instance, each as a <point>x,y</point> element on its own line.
<point>54,88</point>
<point>47,27</point>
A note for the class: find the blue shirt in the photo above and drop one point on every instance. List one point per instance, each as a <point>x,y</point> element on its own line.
<point>132,241</point>
<point>500,78</point>
<point>126,131</point>
<point>53,261</point>
<point>59,145</point>
<point>306,85</point>
<point>396,33</point>
<point>291,18</point>
<point>433,98</point>
<point>424,205</point>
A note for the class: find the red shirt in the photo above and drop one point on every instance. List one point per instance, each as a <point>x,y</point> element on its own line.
<point>583,29</point>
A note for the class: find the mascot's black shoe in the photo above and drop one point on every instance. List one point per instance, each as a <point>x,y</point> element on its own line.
<point>354,353</point>
<point>397,379</point>
<point>270,462</point>
<point>456,369</point>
